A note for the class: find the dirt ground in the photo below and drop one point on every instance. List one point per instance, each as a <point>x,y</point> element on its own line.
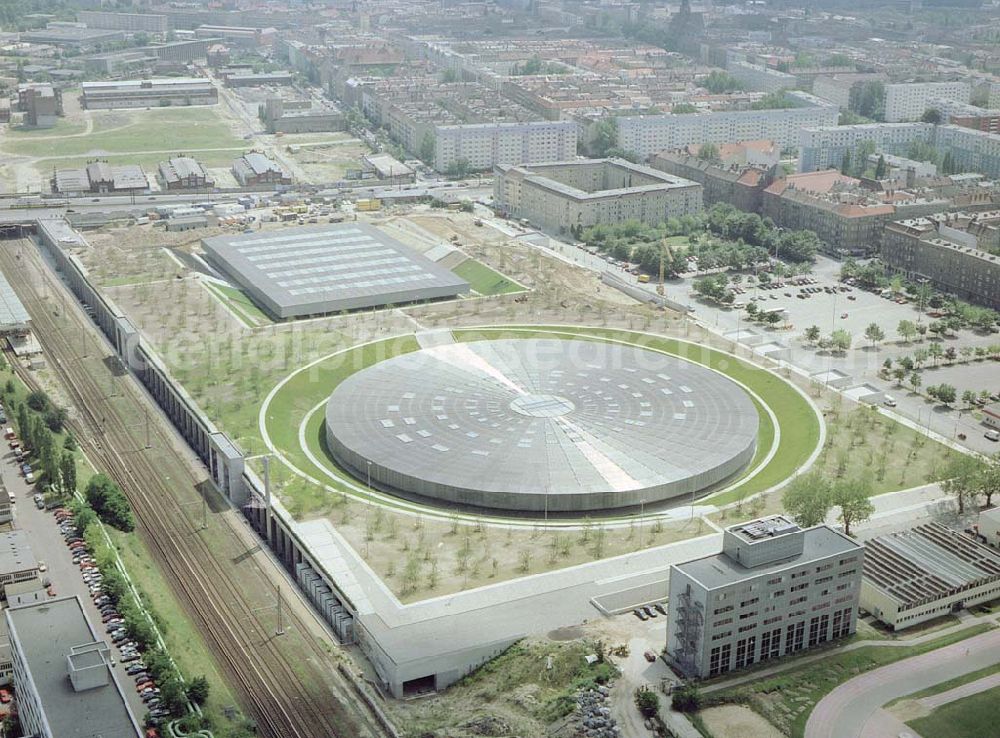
<point>737,721</point>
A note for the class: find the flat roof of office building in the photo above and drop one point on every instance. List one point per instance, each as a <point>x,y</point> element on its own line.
<point>47,633</point>
<point>15,552</point>
<point>720,570</point>
<point>314,270</point>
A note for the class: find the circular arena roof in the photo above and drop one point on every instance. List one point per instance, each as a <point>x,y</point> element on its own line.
<point>541,424</point>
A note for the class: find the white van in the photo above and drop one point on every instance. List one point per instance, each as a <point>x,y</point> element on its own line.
<point>889,401</point>
<point>992,435</point>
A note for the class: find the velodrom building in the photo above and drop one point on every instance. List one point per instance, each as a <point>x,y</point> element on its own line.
<point>560,195</point>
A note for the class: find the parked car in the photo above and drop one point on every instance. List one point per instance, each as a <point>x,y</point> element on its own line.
<point>135,669</point>
<point>127,658</point>
<point>640,614</point>
<point>650,656</point>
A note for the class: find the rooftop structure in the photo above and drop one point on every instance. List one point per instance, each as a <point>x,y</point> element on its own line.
<point>16,559</point>
<point>145,93</point>
<point>926,572</point>
<point>62,675</point>
<point>740,185</point>
<point>183,172</point>
<point>562,195</point>
<point>13,315</point>
<point>541,425</point>
<point>77,37</point>
<point>255,168</point>
<point>809,579</point>
<point>100,177</point>
<point>323,269</point>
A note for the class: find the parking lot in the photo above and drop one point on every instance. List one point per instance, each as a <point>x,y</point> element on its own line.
<point>49,547</point>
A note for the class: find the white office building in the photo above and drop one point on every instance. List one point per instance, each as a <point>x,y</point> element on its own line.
<point>775,589</point>
<point>488,145</point>
<point>909,101</point>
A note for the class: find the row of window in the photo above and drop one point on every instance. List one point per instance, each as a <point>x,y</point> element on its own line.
<point>820,631</point>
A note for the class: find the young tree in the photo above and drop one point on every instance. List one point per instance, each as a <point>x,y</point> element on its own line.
<point>915,381</point>
<point>946,394</point>
<point>853,498</point>
<point>840,339</point>
<point>962,479</point>
<point>67,473</point>
<point>647,701</point>
<point>812,334</point>
<point>989,478</point>
<point>907,330</point>
<point>197,690</point>
<point>686,698</point>
<point>874,334</point>
<point>807,498</point>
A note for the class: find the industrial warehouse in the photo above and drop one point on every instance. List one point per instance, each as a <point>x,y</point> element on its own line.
<point>317,270</point>
<point>541,425</point>
<point>926,572</point>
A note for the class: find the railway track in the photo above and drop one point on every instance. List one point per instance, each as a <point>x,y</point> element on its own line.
<point>285,699</point>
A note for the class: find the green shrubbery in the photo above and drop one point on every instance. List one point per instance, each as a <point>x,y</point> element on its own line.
<point>109,502</point>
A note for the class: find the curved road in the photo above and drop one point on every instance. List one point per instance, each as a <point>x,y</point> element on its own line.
<point>851,710</point>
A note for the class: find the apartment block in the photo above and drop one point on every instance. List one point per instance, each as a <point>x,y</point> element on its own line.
<point>131,22</point>
<point>740,186</point>
<point>836,88</point>
<point>908,101</point>
<point>775,589</point>
<point>762,79</point>
<point>847,218</point>
<point>646,135</point>
<point>488,145</point>
<point>563,195</point>
<point>959,253</point>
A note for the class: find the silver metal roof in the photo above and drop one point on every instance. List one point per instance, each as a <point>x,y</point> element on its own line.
<point>536,424</point>
<point>12,312</point>
<point>322,269</point>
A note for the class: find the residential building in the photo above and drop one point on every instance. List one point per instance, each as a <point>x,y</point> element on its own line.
<point>948,250</point>
<point>254,169</point>
<point>486,145</point>
<point>927,572</point>
<point>740,186</point>
<point>62,674</point>
<point>257,79</point>
<point>837,87</point>
<point>149,93</point>
<point>560,196</point>
<point>760,78</point>
<point>776,589</point>
<point>41,102</point>
<point>184,173</point>
<point>131,22</point>
<point>645,135</point>
<point>847,218</point>
<point>909,101</point>
<point>17,562</point>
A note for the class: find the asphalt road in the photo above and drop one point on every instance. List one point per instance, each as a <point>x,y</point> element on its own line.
<point>847,711</point>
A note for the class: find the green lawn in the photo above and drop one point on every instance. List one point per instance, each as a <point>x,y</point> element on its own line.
<point>62,127</point>
<point>950,684</point>
<point>787,699</point>
<point>971,717</point>
<point>168,129</point>
<point>484,280</point>
<point>240,303</point>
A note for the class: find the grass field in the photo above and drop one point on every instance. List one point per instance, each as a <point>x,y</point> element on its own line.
<point>484,280</point>
<point>970,717</point>
<point>239,303</point>
<point>948,685</point>
<point>787,699</point>
<point>63,127</point>
<point>167,129</point>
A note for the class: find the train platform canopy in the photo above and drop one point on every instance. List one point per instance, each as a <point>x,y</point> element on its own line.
<point>316,270</point>
<point>13,317</point>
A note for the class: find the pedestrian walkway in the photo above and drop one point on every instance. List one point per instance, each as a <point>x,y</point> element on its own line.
<point>960,692</point>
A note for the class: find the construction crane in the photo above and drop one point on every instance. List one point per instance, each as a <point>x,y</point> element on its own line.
<point>665,251</point>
